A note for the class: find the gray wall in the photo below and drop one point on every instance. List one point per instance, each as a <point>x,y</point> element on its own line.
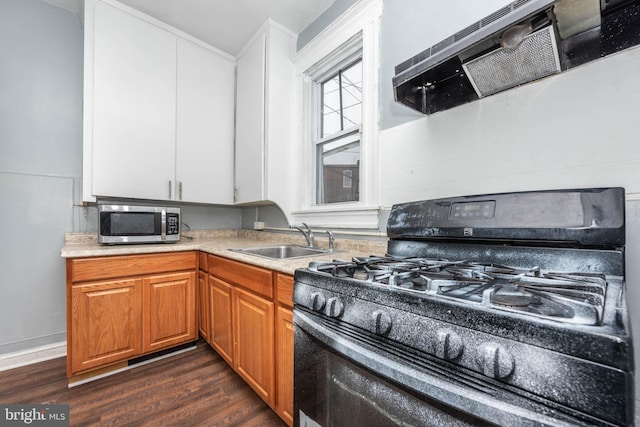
<point>41,50</point>
<point>328,16</point>
<point>40,166</point>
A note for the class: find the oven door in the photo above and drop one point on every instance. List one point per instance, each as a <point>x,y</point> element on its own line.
<point>344,376</point>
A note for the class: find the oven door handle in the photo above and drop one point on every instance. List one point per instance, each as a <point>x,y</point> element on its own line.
<point>421,381</point>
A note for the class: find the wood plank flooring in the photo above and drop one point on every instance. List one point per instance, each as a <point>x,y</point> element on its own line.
<point>195,388</point>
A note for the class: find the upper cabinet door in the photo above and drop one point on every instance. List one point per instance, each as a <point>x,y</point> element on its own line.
<point>264,125</point>
<point>204,155</point>
<point>134,107</point>
<point>250,184</point>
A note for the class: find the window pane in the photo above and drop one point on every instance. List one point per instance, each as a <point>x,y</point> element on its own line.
<point>339,173</point>
<point>331,107</point>
<point>342,100</point>
<point>352,95</point>
<point>347,178</point>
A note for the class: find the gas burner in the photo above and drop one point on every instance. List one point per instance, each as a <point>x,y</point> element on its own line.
<point>511,296</point>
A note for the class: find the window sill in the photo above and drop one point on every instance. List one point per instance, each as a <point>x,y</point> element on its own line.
<point>349,217</point>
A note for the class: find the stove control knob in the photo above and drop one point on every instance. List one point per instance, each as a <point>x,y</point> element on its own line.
<point>335,307</point>
<point>449,345</point>
<point>494,360</point>
<point>381,322</point>
<point>317,301</point>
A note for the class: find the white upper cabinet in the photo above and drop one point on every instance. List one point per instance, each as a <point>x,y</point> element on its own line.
<point>250,115</point>
<point>158,119</point>
<point>134,106</point>
<point>204,156</point>
<point>264,124</point>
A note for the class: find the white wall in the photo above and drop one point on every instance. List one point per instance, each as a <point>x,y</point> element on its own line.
<point>576,129</point>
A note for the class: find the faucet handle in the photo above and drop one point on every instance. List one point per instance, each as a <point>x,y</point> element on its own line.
<point>309,234</point>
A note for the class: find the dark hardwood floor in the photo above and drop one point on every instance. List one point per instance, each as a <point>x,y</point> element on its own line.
<point>195,388</point>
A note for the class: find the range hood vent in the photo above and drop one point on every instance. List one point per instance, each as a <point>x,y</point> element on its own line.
<point>536,56</point>
<point>522,42</point>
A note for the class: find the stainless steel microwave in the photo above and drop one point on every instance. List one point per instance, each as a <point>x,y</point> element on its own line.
<point>127,224</point>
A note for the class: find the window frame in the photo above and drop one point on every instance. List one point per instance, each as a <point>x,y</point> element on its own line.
<point>347,56</point>
<point>355,32</point>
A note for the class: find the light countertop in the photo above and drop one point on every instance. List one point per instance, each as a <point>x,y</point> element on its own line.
<point>219,242</point>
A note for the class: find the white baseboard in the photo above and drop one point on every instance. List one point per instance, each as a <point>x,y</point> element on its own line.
<point>33,355</point>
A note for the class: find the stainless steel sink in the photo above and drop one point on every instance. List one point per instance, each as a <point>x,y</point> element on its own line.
<point>283,251</point>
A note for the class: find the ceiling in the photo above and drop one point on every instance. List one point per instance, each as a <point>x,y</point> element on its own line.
<point>225,24</point>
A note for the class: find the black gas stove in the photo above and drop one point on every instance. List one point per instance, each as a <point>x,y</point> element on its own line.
<point>504,309</point>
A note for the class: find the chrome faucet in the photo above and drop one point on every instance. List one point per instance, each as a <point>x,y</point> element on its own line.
<point>330,234</point>
<point>308,234</point>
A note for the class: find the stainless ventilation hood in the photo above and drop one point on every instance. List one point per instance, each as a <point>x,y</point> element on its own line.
<point>524,41</point>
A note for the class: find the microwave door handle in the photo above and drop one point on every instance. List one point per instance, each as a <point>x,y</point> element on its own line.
<point>163,222</point>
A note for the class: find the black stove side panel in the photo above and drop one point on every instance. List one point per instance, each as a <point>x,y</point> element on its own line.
<point>591,217</point>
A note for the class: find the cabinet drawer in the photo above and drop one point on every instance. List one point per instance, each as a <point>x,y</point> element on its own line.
<point>284,289</point>
<point>253,278</point>
<point>83,269</point>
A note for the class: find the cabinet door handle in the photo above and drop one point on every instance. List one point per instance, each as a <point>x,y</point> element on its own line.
<point>169,189</point>
<point>179,190</point>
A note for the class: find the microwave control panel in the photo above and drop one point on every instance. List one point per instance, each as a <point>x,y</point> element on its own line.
<point>173,226</point>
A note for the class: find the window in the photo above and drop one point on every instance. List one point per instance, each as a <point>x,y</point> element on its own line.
<point>347,178</point>
<point>338,135</point>
<point>337,122</point>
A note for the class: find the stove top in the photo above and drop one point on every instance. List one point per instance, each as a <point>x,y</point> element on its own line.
<point>572,297</point>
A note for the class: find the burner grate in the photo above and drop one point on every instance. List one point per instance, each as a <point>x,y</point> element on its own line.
<point>569,297</point>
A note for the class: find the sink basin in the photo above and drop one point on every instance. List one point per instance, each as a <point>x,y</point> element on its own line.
<point>283,251</point>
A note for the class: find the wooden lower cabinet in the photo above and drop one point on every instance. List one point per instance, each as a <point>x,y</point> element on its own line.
<point>106,323</point>
<point>284,364</point>
<point>220,303</point>
<point>246,315</point>
<point>169,310</point>
<point>254,342</point>
<point>121,307</point>
<point>204,321</point>
<point>284,346</point>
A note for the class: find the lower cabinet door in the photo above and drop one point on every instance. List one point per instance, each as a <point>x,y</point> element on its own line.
<point>169,310</point>
<point>284,364</point>
<point>204,322</point>
<point>221,332</point>
<point>106,323</point>
<point>254,339</point>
